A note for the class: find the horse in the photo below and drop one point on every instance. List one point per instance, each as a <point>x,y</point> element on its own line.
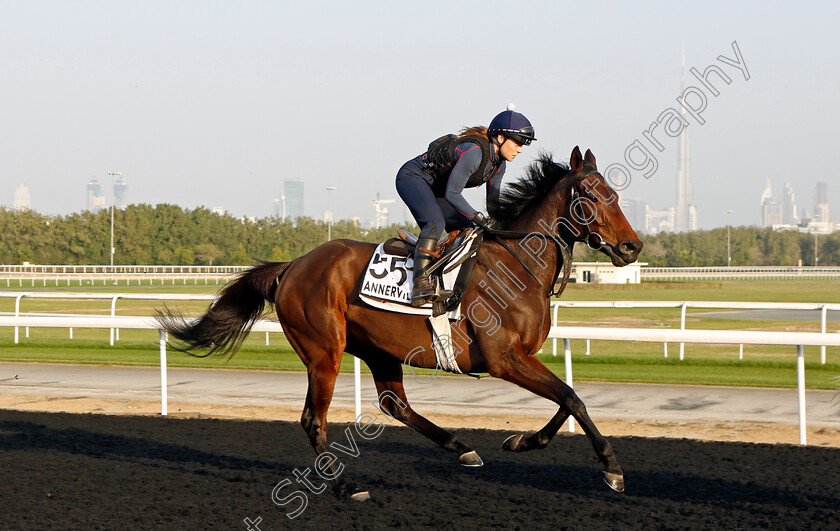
<point>505,311</point>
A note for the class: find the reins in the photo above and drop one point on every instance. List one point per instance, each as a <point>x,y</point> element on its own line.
<point>562,249</point>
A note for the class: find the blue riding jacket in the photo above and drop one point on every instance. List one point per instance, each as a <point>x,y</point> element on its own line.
<point>436,201</point>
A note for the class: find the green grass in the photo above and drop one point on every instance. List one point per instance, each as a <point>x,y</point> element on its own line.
<point>616,361</point>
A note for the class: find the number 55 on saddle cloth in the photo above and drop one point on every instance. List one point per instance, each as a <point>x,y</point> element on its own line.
<point>389,277</point>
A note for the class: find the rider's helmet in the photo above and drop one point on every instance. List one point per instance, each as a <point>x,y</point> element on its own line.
<point>513,125</point>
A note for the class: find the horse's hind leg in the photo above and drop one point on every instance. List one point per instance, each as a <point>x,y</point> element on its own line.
<point>529,373</point>
<point>322,373</point>
<point>387,373</point>
<point>537,440</point>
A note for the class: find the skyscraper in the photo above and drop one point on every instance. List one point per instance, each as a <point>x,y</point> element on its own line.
<point>686,213</point>
<point>766,195</point>
<point>120,189</point>
<point>280,206</point>
<point>788,206</point>
<point>635,210</point>
<point>821,203</point>
<point>95,199</point>
<point>293,190</point>
<point>771,213</point>
<point>22,199</point>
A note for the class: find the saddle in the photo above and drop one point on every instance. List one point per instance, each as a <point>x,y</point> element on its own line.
<point>448,247</point>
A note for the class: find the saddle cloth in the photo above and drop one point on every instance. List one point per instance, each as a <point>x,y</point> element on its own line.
<point>389,278</point>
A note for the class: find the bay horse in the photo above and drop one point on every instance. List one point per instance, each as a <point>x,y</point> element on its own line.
<point>317,301</point>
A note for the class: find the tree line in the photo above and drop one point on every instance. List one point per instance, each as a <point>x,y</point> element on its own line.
<point>748,246</point>
<point>168,234</point>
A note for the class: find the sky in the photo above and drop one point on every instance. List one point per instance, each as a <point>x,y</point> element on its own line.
<point>215,103</point>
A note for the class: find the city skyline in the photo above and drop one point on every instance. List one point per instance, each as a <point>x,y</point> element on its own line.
<point>775,210</point>
<point>779,211</point>
<point>782,212</point>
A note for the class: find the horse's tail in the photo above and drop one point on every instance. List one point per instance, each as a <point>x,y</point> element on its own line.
<point>226,324</point>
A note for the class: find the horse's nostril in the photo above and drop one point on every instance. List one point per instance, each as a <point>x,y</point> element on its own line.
<point>628,248</point>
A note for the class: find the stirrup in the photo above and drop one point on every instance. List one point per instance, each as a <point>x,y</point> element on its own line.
<point>421,294</point>
<point>443,294</point>
<point>421,300</point>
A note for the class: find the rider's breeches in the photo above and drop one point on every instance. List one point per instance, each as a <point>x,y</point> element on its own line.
<point>433,214</point>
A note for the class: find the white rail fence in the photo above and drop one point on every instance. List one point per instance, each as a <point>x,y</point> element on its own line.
<point>35,275</point>
<point>113,297</point>
<point>823,308</point>
<point>739,273</point>
<point>684,305</point>
<point>117,269</point>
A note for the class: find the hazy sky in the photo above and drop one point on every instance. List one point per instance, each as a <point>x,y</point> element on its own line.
<point>216,103</point>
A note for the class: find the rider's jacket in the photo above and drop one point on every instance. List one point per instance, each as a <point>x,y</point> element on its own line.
<point>472,163</point>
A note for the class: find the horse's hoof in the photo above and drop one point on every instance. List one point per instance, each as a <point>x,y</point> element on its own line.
<point>614,481</point>
<point>360,496</point>
<point>470,459</point>
<point>514,443</point>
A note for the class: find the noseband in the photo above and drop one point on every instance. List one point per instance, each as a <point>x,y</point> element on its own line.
<point>590,236</point>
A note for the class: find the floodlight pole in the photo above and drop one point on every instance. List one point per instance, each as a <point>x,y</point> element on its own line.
<point>816,259</point>
<point>113,200</point>
<point>728,241</point>
<point>329,190</point>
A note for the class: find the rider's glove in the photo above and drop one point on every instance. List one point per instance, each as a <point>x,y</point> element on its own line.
<point>482,221</point>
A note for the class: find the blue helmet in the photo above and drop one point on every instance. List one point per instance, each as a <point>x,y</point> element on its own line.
<point>513,125</point>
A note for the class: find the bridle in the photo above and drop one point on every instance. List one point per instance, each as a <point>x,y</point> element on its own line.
<point>588,237</point>
<point>562,249</point>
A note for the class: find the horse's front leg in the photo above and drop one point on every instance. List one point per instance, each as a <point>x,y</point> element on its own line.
<point>529,373</point>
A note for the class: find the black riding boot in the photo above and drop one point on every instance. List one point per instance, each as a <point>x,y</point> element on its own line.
<point>422,291</point>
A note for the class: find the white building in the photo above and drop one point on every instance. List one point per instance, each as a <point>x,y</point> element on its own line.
<point>606,273</point>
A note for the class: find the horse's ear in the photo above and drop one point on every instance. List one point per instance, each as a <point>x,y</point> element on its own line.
<point>576,160</point>
<point>590,158</point>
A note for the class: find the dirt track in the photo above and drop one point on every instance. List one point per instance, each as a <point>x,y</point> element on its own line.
<point>477,418</point>
<point>100,471</point>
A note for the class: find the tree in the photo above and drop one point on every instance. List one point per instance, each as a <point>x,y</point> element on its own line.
<point>207,252</point>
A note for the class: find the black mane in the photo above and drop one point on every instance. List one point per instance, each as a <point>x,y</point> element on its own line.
<point>539,178</point>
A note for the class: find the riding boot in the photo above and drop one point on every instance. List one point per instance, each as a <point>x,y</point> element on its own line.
<point>422,292</point>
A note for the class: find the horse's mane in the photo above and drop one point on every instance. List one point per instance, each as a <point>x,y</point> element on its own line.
<point>540,176</point>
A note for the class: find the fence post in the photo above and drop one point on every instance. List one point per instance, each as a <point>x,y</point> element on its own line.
<point>163,397</point>
<point>822,348</point>
<point>113,314</point>
<point>567,347</point>
<point>800,384</point>
<point>17,314</point>
<point>682,327</point>
<point>357,380</point>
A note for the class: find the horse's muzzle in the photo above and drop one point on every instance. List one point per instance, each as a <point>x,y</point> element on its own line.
<point>629,251</point>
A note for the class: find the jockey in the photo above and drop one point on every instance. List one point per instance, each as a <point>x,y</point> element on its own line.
<point>431,183</point>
